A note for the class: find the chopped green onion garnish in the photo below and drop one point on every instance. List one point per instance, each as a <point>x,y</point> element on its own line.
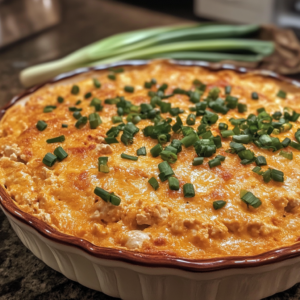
<point>142,151</point>
<point>254,96</point>
<point>223,126</point>
<point>277,175</point>
<point>198,161</point>
<point>257,170</point>
<point>285,142</point>
<point>58,139</point>
<point>191,119</point>
<point>221,157</point>
<point>294,145</point>
<point>111,140</point>
<point>64,125</point>
<point>173,183</point>
<point>129,89</point>
<point>73,108</point>
<point>227,90</point>
<point>189,140</point>
<point>154,183</point>
<point>261,161</point>
<point>214,162</point>
<point>288,155</point>
<point>116,119</point>
<point>156,150</point>
<point>107,197</point>
<point>41,125</point>
<point>130,157</point>
<point>242,107</point>
<point>281,94</point>
<point>168,156</point>
<point>60,99</point>
<point>88,95</point>
<point>260,110</point>
<point>60,153</point>
<point>165,171</point>
<point>227,133</point>
<point>111,76</point>
<point>81,122</point>
<point>102,164</point>
<point>97,104</point>
<point>243,138</point>
<point>250,199</point>
<point>49,159</point>
<point>49,108</point>
<point>176,144</point>
<point>94,120</point>
<point>188,190</point>
<point>96,82</point>
<point>219,204</point>
<point>75,89</point>
<point>77,115</point>
<point>78,102</point>
<point>297,135</point>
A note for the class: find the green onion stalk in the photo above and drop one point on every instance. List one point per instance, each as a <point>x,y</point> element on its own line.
<point>210,42</point>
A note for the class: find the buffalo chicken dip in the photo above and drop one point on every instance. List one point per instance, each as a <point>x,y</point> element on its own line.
<point>160,158</point>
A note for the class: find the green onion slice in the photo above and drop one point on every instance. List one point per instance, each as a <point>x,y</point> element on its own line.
<point>219,204</point>
<point>156,150</point>
<point>41,125</point>
<point>198,161</point>
<point>130,157</point>
<point>107,197</point>
<point>75,89</point>
<point>286,154</point>
<point>129,89</point>
<point>81,122</point>
<point>154,183</point>
<point>102,164</point>
<point>173,183</point>
<point>60,99</point>
<point>49,159</point>
<point>94,120</point>
<point>58,139</point>
<point>281,94</point>
<point>141,152</point>
<point>188,190</point>
<point>168,156</point>
<point>250,199</point>
<point>97,83</point>
<point>60,153</point>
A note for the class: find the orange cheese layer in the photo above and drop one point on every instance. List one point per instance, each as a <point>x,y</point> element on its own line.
<point>151,221</point>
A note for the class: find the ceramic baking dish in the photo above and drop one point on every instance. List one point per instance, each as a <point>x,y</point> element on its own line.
<point>137,276</point>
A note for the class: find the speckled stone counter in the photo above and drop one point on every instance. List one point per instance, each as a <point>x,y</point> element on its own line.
<point>22,275</point>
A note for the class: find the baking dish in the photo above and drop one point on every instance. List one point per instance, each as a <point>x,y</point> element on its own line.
<point>131,275</point>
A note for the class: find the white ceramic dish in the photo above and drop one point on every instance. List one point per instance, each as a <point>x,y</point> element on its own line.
<point>136,276</point>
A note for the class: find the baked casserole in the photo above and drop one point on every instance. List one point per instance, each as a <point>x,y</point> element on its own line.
<point>160,159</point>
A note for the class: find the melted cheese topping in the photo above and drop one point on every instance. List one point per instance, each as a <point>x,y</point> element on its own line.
<point>151,221</point>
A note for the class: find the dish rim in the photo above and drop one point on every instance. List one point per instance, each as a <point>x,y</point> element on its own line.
<point>161,260</point>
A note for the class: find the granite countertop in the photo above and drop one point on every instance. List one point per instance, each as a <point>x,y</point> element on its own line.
<point>22,275</point>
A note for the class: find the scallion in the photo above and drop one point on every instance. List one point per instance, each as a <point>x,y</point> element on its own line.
<point>141,152</point>
<point>41,125</point>
<point>49,159</point>
<point>57,139</point>
<point>154,183</point>
<point>188,190</point>
<point>81,122</point>
<point>130,157</point>
<point>60,153</point>
<point>219,204</point>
